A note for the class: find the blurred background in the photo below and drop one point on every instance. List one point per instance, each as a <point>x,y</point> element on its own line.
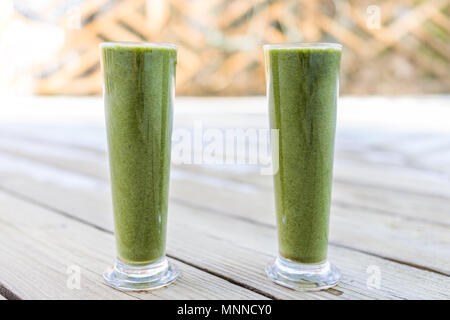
<point>49,47</point>
<point>391,184</point>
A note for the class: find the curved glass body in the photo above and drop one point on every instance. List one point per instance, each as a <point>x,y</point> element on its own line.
<point>139,80</point>
<point>302,90</point>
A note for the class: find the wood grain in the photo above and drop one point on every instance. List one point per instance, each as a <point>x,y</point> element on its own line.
<point>432,208</point>
<point>246,246</point>
<point>43,245</point>
<point>394,216</point>
<point>390,209</point>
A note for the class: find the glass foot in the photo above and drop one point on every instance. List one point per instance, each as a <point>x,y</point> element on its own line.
<point>147,277</point>
<point>303,277</point>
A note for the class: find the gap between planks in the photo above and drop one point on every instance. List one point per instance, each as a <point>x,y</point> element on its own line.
<point>200,245</point>
<point>6,294</point>
<point>69,216</point>
<point>51,239</point>
<point>107,231</point>
<point>208,208</point>
<point>334,243</point>
<point>403,261</point>
<point>248,178</point>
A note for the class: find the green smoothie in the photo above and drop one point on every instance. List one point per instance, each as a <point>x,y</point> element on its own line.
<point>139,94</point>
<point>303,90</point>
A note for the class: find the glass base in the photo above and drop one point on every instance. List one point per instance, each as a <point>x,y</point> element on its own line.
<point>147,277</point>
<point>303,277</point>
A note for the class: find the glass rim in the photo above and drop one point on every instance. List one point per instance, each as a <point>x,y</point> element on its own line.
<point>136,44</point>
<point>305,45</point>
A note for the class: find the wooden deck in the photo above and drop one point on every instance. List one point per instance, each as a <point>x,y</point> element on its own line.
<point>390,210</point>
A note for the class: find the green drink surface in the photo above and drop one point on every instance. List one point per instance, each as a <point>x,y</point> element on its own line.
<point>303,90</point>
<point>138,92</point>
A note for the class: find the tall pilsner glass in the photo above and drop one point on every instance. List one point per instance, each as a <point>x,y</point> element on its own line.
<point>302,88</point>
<point>139,80</point>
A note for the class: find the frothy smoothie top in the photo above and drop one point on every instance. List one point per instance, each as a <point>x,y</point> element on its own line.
<point>138,45</point>
<point>303,45</point>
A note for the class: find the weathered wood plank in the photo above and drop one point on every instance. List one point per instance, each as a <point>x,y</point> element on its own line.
<point>382,200</point>
<point>385,234</point>
<point>374,158</point>
<point>394,227</point>
<point>45,247</point>
<point>225,245</point>
<point>393,202</point>
<point>425,202</point>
